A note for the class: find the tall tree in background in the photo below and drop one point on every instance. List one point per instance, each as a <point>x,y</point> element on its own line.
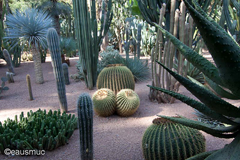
<point>56,9</point>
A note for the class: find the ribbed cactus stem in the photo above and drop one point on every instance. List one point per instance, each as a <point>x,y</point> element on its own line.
<point>28,79</point>
<point>9,76</point>
<point>65,73</point>
<point>54,48</point>
<point>85,123</point>
<point>139,37</point>
<point>8,60</point>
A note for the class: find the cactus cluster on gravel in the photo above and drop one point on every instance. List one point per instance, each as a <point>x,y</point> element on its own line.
<point>106,103</point>
<point>39,130</point>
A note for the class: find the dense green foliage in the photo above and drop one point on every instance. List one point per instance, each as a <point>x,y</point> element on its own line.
<point>39,130</point>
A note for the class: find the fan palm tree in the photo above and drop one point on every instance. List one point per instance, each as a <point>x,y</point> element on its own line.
<point>29,26</point>
<point>56,9</point>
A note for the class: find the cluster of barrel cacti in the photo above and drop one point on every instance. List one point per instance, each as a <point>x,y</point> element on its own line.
<point>39,130</point>
<point>54,48</point>
<point>106,103</point>
<point>165,140</point>
<point>85,123</point>
<point>116,77</point>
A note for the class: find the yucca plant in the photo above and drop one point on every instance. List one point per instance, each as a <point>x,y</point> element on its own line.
<point>30,26</point>
<point>226,55</point>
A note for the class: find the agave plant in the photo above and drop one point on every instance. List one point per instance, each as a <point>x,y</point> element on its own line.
<point>226,55</point>
<point>30,26</point>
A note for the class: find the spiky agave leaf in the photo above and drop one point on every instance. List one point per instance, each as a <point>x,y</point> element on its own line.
<point>30,25</point>
<point>205,96</point>
<point>197,105</point>
<point>224,50</point>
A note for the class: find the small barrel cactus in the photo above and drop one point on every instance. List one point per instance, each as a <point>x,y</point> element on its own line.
<point>65,73</point>
<point>104,101</point>
<point>165,140</point>
<point>9,76</point>
<point>29,87</point>
<point>127,102</point>
<point>9,61</point>
<point>85,123</point>
<point>116,77</point>
<point>54,48</point>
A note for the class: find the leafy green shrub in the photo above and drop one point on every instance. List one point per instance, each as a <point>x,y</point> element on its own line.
<point>39,130</point>
<point>68,46</point>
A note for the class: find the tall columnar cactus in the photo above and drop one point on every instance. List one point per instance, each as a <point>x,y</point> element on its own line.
<point>65,73</point>
<point>226,55</point>
<point>54,48</point>
<point>9,76</point>
<point>115,77</point>
<point>85,123</point>
<point>28,79</point>
<point>104,101</point>
<point>89,37</point>
<point>165,140</point>
<point>139,37</point>
<point>127,102</point>
<point>8,60</point>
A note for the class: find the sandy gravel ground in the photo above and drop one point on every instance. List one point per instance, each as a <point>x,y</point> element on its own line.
<point>115,138</point>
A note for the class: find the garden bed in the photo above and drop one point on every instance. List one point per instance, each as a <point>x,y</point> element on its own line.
<point>115,138</point>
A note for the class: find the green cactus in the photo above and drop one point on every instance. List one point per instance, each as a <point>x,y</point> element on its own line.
<point>65,73</point>
<point>39,130</point>
<point>165,140</point>
<point>127,102</point>
<point>225,52</point>
<point>89,37</point>
<point>28,79</point>
<point>104,101</point>
<point>139,37</point>
<point>54,47</point>
<point>9,76</point>
<point>8,60</point>
<point>85,123</point>
<point>115,77</point>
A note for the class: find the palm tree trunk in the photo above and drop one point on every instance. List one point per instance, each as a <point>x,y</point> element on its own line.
<point>37,65</point>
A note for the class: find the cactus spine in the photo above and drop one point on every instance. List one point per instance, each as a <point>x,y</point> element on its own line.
<point>165,140</point>
<point>85,123</point>
<point>116,77</point>
<point>29,87</point>
<point>8,60</point>
<point>65,73</point>
<point>88,36</point>
<point>54,47</point>
<point>104,101</point>
<point>127,102</point>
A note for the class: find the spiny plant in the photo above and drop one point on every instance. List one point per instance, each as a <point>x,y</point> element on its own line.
<point>8,60</point>
<point>115,77</point>
<point>226,55</point>
<point>104,101</point>
<point>39,130</point>
<point>165,140</point>
<point>28,79</point>
<point>54,48</point>
<point>3,87</point>
<point>127,102</point>
<point>65,73</point>
<point>85,124</point>
<point>30,26</point>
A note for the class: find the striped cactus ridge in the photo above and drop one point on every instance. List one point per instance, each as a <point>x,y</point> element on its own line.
<point>104,101</point>
<point>127,102</point>
<point>116,77</point>
<point>167,140</point>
